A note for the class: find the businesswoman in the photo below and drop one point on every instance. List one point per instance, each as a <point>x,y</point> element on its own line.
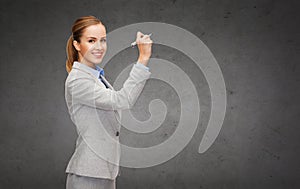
<point>95,107</point>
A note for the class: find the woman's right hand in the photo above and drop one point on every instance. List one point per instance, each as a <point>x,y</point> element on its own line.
<point>144,44</point>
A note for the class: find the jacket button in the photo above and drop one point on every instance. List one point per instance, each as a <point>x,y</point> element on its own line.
<point>117,133</point>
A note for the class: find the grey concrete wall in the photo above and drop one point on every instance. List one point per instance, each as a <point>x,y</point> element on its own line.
<point>256,44</point>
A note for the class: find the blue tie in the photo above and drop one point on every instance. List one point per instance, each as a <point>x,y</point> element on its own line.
<point>101,73</point>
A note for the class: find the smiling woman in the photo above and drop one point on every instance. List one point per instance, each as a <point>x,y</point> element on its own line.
<point>92,45</point>
<point>94,105</point>
<point>87,32</point>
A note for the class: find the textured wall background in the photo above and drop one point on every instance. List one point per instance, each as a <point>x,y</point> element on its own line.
<point>256,44</point>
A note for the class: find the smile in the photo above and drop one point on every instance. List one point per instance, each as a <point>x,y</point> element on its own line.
<point>98,54</point>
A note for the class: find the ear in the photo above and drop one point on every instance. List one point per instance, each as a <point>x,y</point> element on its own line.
<point>76,45</point>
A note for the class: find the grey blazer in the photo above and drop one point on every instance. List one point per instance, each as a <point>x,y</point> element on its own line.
<point>96,112</point>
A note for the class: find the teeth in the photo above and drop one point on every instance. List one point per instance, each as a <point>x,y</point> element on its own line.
<point>97,54</point>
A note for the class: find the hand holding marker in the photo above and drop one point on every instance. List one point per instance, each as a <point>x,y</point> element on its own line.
<point>144,44</point>
<point>134,43</point>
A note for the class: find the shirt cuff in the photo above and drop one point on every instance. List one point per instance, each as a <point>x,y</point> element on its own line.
<point>142,66</point>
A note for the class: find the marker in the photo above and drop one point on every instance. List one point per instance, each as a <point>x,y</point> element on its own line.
<point>134,43</point>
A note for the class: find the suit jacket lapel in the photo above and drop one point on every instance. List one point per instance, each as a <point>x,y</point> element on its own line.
<point>119,113</point>
<point>106,82</point>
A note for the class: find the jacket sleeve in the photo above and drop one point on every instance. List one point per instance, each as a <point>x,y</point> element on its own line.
<point>86,91</point>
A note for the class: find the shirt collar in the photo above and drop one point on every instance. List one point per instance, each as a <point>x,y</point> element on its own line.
<point>100,70</point>
<point>96,72</point>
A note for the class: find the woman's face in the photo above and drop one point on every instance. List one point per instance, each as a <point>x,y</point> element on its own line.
<point>92,46</point>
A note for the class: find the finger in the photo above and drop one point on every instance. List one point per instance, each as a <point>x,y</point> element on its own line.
<point>151,41</point>
<point>145,42</point>
<point>146,37</point>
<point>148,41</point>
<point>139,35</point>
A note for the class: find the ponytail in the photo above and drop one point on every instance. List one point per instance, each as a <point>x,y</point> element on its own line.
<point>72,54</point>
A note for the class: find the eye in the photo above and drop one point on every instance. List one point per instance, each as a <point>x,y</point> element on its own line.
<point>103,40</point>
<point>91,41</point>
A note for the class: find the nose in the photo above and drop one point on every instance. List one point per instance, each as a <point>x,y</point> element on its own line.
<point>98,45</point>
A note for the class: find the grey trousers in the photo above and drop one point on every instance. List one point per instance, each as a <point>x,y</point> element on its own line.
<point>82,182</point>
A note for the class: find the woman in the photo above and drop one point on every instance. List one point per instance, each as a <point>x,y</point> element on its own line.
<point>94,106</point>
